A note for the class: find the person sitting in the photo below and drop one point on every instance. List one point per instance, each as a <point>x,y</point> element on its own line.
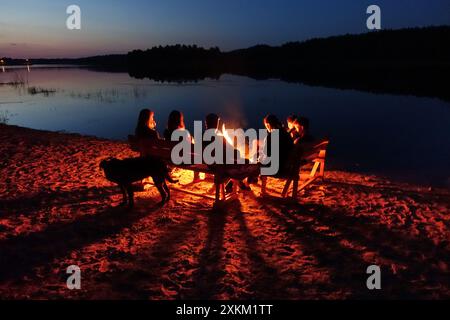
<point>146,130</point>
<point>271,122</point>
<point>146,126</point>
<point>174,123</point>
<point>212,122</point>
<point>302,136</point>
<point>301,127</point>
<point>290,126</point>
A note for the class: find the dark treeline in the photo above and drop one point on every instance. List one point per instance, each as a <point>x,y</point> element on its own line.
<point>408,61</point>
<point>177,63</point>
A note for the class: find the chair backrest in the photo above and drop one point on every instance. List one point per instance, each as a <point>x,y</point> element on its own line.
<point>321,144</point>
<point>157,148</point>
<point>322,147</point>
<point>153,147</point>
<point>314,150</point>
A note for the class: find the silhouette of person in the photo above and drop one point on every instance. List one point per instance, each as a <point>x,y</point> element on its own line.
<point>174,123</point>
<point>146,130</point>
<point>301,127</point>
<point>291,127</point>
<point>146,126</point>
<point>271,122</point>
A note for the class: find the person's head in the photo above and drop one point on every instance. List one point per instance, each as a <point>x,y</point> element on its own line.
<point>146,119</point>
<point>212,121</point>
<point>272,123</point>
<point>176,121</point>
<point>305,123</point>
<point>301,125</point>
<point>290,121</point>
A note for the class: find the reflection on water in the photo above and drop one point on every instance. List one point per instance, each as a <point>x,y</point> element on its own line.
<point>404,137</point>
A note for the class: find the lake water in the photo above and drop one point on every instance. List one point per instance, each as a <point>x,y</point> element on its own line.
<point>402,137</point>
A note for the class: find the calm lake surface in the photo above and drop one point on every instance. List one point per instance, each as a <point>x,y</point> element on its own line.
<point>402,137</point>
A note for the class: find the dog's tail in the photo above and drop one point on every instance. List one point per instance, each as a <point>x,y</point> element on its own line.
<point>170,179</point>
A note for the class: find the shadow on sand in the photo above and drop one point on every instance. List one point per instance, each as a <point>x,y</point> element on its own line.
<point>20,254</point>
<point>339,241</point>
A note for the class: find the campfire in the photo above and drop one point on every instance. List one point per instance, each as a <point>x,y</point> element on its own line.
<point>249,150</point>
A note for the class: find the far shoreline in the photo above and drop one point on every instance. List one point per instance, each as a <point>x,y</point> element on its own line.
<point>414,64</point>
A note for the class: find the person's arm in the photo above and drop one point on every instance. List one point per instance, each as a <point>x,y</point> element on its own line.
<point>264,150</point>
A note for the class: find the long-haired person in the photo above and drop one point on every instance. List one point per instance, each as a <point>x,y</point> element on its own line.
<point>146,126</point>
<point>301,127</point>
<point>146,130</point>
<point>272,123</point>
<point>291,126</point>
<point>174,123</point>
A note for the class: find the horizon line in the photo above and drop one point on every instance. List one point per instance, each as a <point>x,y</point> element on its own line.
<point>228,51</point>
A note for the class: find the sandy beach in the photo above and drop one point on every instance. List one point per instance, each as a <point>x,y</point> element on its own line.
<point>57,210</point>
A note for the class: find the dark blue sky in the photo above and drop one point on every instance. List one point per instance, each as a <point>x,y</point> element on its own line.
<point>30,28</point>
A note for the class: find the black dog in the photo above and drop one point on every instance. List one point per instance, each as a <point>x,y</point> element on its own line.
<point>125,172</point>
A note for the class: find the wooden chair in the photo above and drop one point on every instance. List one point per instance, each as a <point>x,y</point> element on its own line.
<point>309,154</point>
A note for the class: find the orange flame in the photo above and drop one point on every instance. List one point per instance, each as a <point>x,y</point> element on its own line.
<point>226,135</point>
<point>246,151</point>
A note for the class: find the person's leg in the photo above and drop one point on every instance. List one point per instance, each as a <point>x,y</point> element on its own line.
<point>263,185</point>
<point>130,196</point>
<point>222,191</point>
<point>217,185</point>
<point>295,190</point>
<point>197,177</point>
<point>286,187</point>
<point>166,188</point>
<point>124,195</point>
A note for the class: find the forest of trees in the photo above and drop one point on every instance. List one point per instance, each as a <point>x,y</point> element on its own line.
<point>178,62</point>
<point>407,61</point>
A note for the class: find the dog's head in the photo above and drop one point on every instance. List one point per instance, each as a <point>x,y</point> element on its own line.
<point>104,164</point>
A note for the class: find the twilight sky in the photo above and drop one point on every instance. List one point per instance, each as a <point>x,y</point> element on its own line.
<point>32,29</point>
